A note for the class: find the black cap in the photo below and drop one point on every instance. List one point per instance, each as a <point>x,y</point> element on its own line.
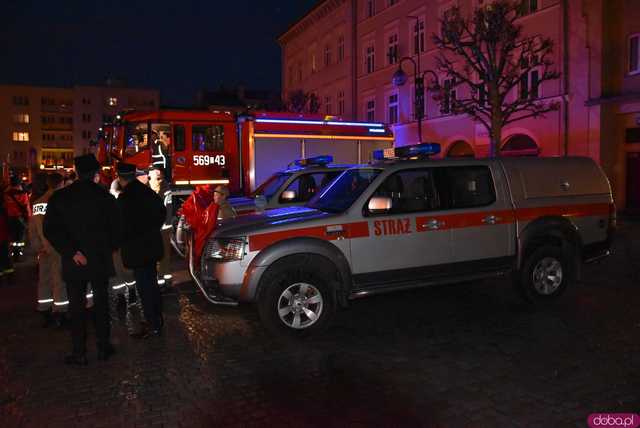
<point>86,164</point>
<point>126,169</point>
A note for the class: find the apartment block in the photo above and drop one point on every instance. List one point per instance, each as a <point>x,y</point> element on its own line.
<point>45,127</point>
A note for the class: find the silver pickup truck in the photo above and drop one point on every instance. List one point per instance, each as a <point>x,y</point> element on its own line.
<point>397,224</point>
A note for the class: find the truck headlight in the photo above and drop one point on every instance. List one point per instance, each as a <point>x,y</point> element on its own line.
<point>225,249</point>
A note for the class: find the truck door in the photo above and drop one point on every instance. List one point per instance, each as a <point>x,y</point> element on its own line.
<point>179,164</point>
<point>480,216</point>
<point>409,242</point>
<point>208,157</point>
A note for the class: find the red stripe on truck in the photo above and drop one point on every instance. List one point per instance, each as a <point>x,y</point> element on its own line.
<point>327,233</point>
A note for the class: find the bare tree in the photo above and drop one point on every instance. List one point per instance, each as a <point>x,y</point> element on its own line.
<point>302,102</point>
<point>503,70</point>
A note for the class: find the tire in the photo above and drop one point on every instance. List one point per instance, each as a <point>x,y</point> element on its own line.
<point>545,275</point>
<point>296,299</point>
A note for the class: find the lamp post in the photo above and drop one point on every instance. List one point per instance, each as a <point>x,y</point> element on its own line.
<point>400,78</point>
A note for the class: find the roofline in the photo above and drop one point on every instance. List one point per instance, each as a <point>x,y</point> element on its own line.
<point>305,16</point>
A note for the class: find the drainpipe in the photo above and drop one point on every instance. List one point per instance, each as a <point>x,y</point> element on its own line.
<point>565,73</point>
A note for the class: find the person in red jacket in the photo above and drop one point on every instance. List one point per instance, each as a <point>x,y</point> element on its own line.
<point>6,266</point>
<point>18,208</point>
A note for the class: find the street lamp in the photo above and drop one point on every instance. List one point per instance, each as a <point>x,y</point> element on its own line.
<point>400,78</point>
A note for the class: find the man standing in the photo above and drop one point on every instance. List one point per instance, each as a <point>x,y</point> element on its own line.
<point>17,203</point>
<point>83,225</point>
<point>144,215</point>
<point>159,185</point>
<point>52,296</point>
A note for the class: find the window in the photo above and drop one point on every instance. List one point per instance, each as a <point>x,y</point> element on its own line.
<point>529,85</point>
<point>527,7</point>
<point>86,101</point>
<point>340,49</point>
<point>207,138</point>
<point>371,8</point>
<point>86,117</point>
<point>393,108</point>
<point>370,59</point>
<point>136,137</point>
<point>327,104</point>
<point>391,2</point>
<point>392,49</point>
<point>21,118</point>
<point>47,101</point>
<point>180,145</point>
<point>467,187</point>
<point>327,56</point>
<point>20,136</point>
<point>307,185</point>
<point>418,36</point>
<point>634,54</point>
<point>340,103</point>
<point>20,101</point>
<point>410,191</point>
<point>418,104</point>
<point>447,14</point>
<point>483,95</point>
<point>371,111</point>
<point>112,101</point>
<point>448,96</point>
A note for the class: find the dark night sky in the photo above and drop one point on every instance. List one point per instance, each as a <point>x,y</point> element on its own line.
<point>175,46</point>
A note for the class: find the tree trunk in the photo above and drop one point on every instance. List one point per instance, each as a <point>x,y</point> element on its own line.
<point>496,137</point>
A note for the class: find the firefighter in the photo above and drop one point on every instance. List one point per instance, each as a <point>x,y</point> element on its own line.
<point>83,224</point>
<point>52,296</point>
<point>144,214</point>
<point>159,185</point>
<point>225,210</point>
<point>17,203</point>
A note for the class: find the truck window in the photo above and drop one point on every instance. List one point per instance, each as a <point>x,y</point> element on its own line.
<point>207,138</point>
<point>468,186</point>
<point>137,137</point>
<point>179,138</point>
<point>410,191</point>
<point>307,185</point>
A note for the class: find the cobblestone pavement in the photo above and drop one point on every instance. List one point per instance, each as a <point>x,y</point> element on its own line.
<point>464,355</point>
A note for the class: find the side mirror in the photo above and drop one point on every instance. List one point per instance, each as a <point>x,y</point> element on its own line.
<point>379,204</point>
<point>288,195</point>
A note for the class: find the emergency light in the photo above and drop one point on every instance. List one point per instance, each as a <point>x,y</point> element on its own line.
<point>317,160</point>
<point>406,152</point>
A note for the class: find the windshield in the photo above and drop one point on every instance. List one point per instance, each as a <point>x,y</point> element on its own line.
<point>271,185</point>
<point>343,192</point>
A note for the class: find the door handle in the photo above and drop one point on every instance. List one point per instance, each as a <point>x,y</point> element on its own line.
<point>490,219</point>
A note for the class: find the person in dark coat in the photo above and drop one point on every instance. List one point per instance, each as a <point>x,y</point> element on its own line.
<point>83,225</point>
<point>144,214</point>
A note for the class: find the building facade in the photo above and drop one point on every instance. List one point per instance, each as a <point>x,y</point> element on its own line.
<point>596,52</point>
<point>45,127</point>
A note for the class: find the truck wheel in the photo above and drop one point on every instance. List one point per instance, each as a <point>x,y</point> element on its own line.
<point>545,275</point>
<point>296,300</point>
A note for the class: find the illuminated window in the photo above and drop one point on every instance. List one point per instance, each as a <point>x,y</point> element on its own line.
<point>112,101</point>
<point>20,136</point>
<point>393,108</point>
<point>20,118</point>
<point>340,49</point>
<point>634,54</point>
<point>392,49</point>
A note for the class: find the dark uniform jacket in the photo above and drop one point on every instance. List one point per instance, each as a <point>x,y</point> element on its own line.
<point>83,217</point>
<point>144,213</point>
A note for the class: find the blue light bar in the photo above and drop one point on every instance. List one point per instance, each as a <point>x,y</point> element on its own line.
<point>377,130</point>
<point>317,160</point>
<point>405,152</point>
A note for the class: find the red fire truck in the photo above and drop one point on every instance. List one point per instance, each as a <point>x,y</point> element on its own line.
<point>220,147</point>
